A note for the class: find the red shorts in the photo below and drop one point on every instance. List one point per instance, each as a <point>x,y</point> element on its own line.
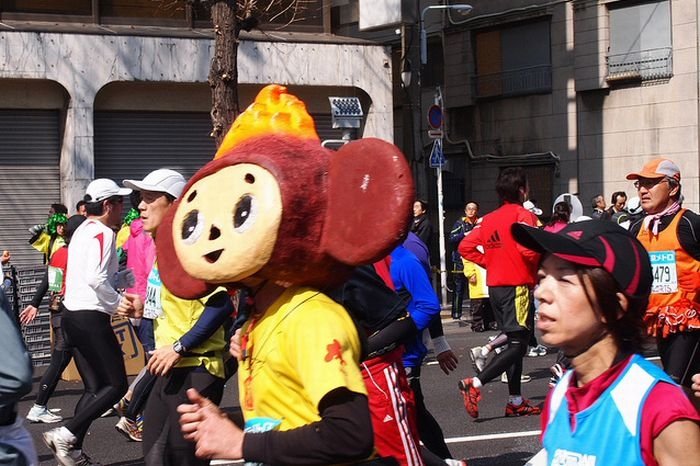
<point>392,408</point>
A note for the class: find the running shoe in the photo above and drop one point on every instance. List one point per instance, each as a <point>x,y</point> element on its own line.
<point>454,462</point>
<point>478,359</point>
<point>132,430</point>
<point>121,406</point>
<point>84,460</point>
<point>523,409</point>
<point>42,414</point>
<point>539,350</point>
<point>471,395</point>
<point>557,372</point>
<point>524,378</point>
<point>61,446</point>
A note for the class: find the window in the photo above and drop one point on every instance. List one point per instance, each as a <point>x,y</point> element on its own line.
<point>640,42</point>
<point>434,71</point>
<point>148,11</point>
<point>514,60</point>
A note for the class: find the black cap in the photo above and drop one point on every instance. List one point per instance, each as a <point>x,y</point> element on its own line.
<point>73,223</point>
<point>595,243</point>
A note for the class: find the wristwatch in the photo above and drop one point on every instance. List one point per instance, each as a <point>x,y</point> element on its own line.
<point>178,348</point>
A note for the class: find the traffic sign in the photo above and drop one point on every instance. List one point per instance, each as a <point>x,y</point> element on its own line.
<point>435,116</point>
<point>437,157</point>
<point>435,133</point>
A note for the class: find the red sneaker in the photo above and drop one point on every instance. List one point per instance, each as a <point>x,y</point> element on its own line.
<point>523,409</point>
<point>471,395</point>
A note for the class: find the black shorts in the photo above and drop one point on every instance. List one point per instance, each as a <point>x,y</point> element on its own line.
<point>512,307</point>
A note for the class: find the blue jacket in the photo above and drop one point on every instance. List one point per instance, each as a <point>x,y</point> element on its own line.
<point>408,274</point>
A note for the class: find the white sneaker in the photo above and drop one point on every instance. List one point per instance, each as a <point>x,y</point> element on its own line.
<point>478,359</point>
<point>523,378</point>
<point>42,414</point>
<point>61,446</point>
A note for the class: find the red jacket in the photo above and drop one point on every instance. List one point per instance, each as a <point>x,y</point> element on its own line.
<point>507,263</point>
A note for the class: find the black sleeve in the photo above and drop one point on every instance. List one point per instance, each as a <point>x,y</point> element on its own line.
<point>390,336</point>
<point>344,434</point>
<point>689,234</point>
<point>435,328</point>
<point>371,303</point>
<point>41,290</point>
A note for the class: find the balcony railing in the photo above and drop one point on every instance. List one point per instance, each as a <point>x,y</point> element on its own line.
<point>641,65</point>
<point>530,80</point>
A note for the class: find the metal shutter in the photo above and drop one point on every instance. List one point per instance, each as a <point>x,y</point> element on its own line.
<point>132,144</point>
<point>30,181</point>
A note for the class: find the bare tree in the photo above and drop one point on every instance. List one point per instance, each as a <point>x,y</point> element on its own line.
<point>229,18</point>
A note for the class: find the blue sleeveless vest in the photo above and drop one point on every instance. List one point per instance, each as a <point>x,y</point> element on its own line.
<point>607,432</point>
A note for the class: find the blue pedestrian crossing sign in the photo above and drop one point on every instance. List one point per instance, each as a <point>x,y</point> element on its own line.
<point>437,156</point>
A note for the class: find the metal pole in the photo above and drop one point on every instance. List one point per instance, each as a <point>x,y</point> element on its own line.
<point>441,228</point>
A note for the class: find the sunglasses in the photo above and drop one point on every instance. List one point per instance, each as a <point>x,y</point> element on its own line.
<point>648,183</point>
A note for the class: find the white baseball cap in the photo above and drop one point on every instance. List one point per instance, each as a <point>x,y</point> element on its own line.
<point>162,180</point>
<point>102,188</point>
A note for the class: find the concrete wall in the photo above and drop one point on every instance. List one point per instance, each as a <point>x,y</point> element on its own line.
<point>82,65</point>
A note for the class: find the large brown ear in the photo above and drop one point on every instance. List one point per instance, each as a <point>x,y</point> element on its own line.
<point>370,192</point>
<point>171,272</point>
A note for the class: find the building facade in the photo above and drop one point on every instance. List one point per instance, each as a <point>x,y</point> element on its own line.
<point>116,88</point>
<point>579,92</point>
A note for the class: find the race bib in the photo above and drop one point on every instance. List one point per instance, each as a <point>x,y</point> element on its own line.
<point>152,308</point>
<point>663,268</point>
<point>260,424</point>
<point>55,279</point>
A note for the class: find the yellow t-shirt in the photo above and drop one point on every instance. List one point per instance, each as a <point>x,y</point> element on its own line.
<point>42,243</point>
<point>178,317</point>
<point>304,346</point>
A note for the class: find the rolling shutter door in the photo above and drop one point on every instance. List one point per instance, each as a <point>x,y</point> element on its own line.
<point>132,144</point>
<point>30,181</point>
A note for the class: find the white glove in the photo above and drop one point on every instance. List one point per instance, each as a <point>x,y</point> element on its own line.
<point>124,279</point>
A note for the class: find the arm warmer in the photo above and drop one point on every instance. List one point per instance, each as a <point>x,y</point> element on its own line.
<point>41,290</point>
<point>343,435</point>
<point>217,310</point>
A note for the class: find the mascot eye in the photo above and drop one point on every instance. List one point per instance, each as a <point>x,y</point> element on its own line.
<point>244,214</point>
<point>192,227</point>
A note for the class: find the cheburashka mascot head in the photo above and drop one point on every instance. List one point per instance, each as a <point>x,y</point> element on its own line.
<point>275,206</point>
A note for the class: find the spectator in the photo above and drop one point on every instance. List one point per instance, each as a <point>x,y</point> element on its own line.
<point>614,407</point>
<point>598,205</point>
<point>459,229</point>
<point>617,203</point>
<point>80,208</point>
<point>421,224</point>
<point>670,233</point>
<point>47,239</point>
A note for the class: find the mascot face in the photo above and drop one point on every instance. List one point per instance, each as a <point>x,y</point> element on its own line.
<point>223,218</point>
<point>275,205</point>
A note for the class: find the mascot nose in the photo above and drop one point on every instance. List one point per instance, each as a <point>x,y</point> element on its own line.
<point>214,233</point>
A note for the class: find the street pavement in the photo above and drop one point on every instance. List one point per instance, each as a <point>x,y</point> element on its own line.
<point>490,440</point>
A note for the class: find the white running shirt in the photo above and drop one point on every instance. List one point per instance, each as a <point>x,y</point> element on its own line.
<point>92,265</point>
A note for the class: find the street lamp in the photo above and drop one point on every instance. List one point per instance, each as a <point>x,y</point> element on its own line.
<point>461,7</point>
